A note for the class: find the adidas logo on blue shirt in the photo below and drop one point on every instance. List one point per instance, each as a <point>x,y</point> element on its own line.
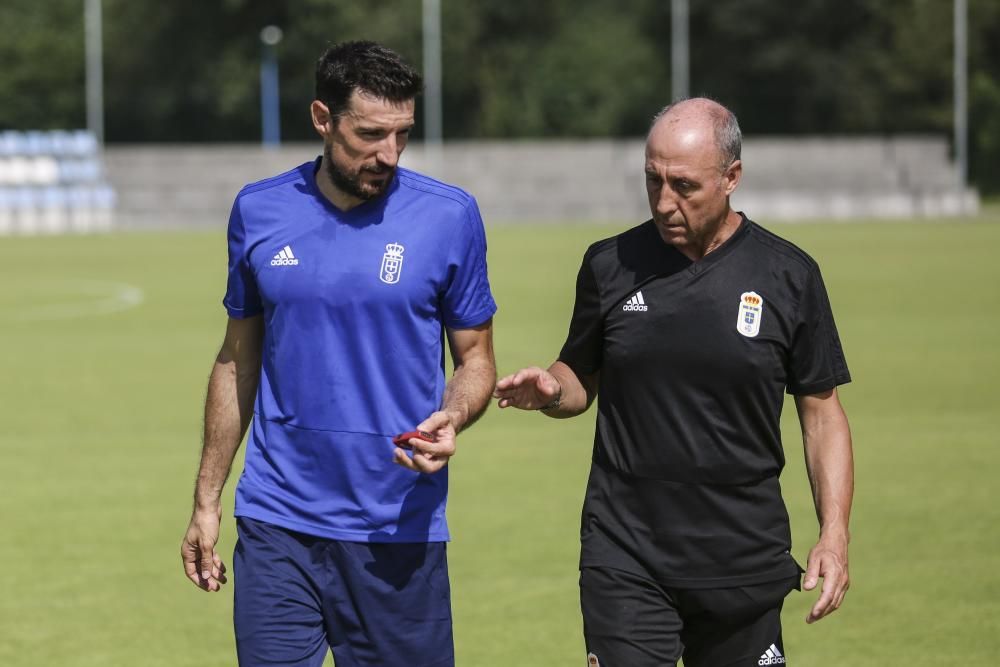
<point>285,258</point>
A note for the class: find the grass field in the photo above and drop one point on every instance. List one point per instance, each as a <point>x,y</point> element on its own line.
<point>107,342</point>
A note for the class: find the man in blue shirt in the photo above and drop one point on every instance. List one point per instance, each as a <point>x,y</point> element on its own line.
<point>345,276</point>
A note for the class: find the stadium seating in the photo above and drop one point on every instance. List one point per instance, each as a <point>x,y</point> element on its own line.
<point>785,178</point>
<point>53,182</point>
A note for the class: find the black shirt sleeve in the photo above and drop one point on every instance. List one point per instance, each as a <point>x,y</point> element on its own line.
<point>584,344</point>
<point>816,359</point>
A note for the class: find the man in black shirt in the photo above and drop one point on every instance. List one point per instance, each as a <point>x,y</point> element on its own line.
<point>689,329</point>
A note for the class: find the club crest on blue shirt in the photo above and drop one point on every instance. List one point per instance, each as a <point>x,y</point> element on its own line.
<point>751,311</point>
<point>392,263</point>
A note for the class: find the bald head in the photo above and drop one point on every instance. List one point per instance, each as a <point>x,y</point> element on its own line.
<point>700,119</point>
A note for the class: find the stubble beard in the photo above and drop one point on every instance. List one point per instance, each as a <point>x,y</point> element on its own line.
<point>350,183</point>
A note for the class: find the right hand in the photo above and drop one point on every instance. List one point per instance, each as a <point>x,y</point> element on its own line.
<point>429,457</point>
<point>528,389</point>
<point>202,563</point>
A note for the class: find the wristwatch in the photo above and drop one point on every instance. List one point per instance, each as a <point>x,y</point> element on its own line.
<point>554,403</point>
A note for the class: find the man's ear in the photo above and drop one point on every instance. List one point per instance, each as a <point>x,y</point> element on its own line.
<point>732,176</point>
<point>322,121</point>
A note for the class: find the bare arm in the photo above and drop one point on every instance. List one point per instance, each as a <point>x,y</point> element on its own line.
<point>826,437</point>
<point>558,392</point>
<point>468,392</point>
<point>228,409</point>
<point>465,398</point>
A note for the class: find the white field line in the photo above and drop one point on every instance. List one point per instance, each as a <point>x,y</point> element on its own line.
<point>85,298</point>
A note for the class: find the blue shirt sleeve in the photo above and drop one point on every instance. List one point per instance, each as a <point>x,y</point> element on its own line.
<point>467,300</point>
<point>242,298</point>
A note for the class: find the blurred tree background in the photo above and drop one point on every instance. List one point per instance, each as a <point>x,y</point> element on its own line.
<point>188,70</point>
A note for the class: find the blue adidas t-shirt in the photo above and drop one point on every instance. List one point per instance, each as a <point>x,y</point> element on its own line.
<point>354,305</point>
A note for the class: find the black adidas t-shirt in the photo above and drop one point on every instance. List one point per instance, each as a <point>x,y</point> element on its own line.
<point>694,359</point>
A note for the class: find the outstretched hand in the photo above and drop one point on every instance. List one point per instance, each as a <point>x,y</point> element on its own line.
<point>827,560</point>
<point>429,457</point>
<point>528,389</point>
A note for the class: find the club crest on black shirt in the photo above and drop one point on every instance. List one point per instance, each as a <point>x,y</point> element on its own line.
<point>751,310</point>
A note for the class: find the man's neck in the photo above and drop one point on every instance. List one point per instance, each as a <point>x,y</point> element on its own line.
<point>715,238</point>
<point>342,200</point>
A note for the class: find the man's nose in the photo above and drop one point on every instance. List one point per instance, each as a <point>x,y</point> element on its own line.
<point>666,202</point>
<point>388,151</point>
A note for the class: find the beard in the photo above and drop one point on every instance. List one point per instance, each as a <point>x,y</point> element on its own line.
<point>350,182</point>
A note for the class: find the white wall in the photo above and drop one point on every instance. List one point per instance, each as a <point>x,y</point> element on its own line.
<point>541,181</point>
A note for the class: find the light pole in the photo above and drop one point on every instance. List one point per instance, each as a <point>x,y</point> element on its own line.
<point>961,100</point>
<point>433,123</point>
<point>270,113</point>
<point>679,58</point>
<point>95,75</point>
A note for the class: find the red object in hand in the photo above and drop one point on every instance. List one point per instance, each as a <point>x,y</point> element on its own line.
<point>402,440</point>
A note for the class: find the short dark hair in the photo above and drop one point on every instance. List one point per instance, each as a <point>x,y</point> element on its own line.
<point>364,66</point>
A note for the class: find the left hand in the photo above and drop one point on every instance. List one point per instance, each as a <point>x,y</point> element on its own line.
<point>827,560</point>
<point>429,457</point>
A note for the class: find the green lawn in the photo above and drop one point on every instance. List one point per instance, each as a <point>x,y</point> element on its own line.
<point>99,440</point>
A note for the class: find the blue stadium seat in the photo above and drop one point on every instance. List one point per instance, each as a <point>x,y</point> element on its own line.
<point>53,182</point>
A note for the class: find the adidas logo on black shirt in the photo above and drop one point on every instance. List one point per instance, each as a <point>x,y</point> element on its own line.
<point>635,303</point>
<point>772,656</point>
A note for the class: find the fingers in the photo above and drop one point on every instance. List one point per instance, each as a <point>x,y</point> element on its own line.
<point>220,575</point>
<point>208,577</point>
<point>835,584</point>
<point>516,390</point>
<point>441,429</point>
<point>202,564</point>
<point>528,389</point>
<point>829,601</point>
<point>824,605</point>
<point>190,560</point>
<point>434,423</point>
<point>812,575</point>
<point>426,457</point>
<point>212,574</point>
<point>429,457</point>
<point>419,462</point>
<point>518,378</point>
<point>219,569</point>
<point>208,557</point>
